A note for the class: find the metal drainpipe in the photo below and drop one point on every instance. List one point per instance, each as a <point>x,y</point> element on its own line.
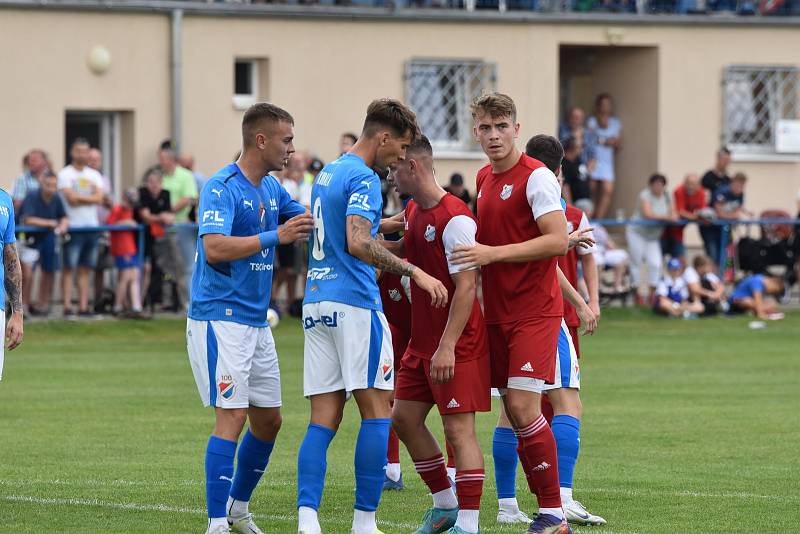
<point>176,67</point>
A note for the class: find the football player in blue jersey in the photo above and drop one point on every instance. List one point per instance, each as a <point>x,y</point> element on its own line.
<point>348,347</point>
<point>230,344</point>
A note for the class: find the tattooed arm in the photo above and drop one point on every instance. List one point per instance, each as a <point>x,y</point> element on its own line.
<point>13,283</point>
<point>363,246</point>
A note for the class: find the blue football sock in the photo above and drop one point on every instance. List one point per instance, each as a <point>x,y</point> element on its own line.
<point>567,431</point>
<point>504,452</point>
<point>219,473</point>
<point>251,461</point>
<point>370,458</point>
<point>312,462</point>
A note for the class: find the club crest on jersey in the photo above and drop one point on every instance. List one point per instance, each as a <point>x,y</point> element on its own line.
<point>227,387</point>
<point>394,294</point>
<point>262,215</point>
<point>506,192</point>
<point>430,233</point>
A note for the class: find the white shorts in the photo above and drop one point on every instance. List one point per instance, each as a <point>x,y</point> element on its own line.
<point>568,372</point>
<point>346,348</point>
<point>234,365</point>
<point>2,345</point>
<point>567,375</point>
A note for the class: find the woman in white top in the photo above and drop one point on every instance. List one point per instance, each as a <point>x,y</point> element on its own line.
<point>607,133</point>
<point>644,241</point>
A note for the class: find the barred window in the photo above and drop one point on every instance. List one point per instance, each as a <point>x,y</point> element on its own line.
<point>441,91</point>
<point>755,98</point>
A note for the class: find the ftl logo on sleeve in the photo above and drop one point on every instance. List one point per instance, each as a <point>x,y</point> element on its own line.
<point>506,192</point>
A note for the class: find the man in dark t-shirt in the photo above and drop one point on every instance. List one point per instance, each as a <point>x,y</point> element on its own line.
<point>160,252</point>
<point>715,178</point>
<point>576,175</point>
<point>45,209</point>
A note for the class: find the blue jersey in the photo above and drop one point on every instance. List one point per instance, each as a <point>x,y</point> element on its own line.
<point>6,234</point>
<point>747,287</point>
<point>237,291</point>
<point>344,187</point>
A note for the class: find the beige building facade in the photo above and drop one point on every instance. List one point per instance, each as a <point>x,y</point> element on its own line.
<point>325,66</point>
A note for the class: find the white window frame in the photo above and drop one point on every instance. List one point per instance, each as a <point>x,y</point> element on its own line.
<point>243,101</point>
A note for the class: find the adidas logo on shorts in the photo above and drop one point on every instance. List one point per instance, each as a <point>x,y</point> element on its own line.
<point>527,367</point>
<point>453,404</point>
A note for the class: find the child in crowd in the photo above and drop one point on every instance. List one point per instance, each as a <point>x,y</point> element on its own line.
<point>672,294</point>
<point>705,286</point>
<point>751,295</point>
<point>123,248</point>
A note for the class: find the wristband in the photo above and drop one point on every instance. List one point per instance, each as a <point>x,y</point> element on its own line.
<point>268,239</point>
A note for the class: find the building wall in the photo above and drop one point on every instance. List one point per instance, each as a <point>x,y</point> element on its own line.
<point>47,74</point>
<point>666,80</point>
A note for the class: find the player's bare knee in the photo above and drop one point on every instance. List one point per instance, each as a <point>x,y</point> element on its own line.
<point>459,431</point>
<point>230,422</point>
<point>266,426</point>
<point>522,408</point>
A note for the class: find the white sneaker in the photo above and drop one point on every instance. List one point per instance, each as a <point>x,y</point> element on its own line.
<point>219,529</point>
<point>243,525</point>
<point>576,513</point>
<point>510,516</point>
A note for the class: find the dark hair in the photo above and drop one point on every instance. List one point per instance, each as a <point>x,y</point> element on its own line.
<point>456,179</point>
<point>350,135</point>
<point>259,113</point>
<point>80,141</point>
<point>421,145</point>
<point>657,178</point>
<point>392,114</point>
<point>546,149</point>
<point>739,177</point>
<point>166,144</point>
<point>155,169</point>
<point>48,174</point>
<point>725,150</point>
<point>496,105</point>
<point>569,143</point>
<point>700,260</point>
<point>599,98</point>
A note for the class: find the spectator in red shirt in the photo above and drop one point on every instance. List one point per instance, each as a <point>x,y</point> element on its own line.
<point>689,198</point>
<point>123,248</point>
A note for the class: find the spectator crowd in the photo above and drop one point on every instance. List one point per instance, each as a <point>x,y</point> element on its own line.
<point>106,272</point>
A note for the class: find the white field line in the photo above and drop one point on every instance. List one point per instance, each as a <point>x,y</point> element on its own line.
<point>613,491</point>
<point>96,503</point>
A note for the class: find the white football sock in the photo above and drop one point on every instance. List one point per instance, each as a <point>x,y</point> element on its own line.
<point>393,472</point>
<point>364,522</point>
<point>445,499</point>
<point>308,522</point>
<point>557,512</point>
<point>509,504</point>
<point>468,520</point>
<point>451,472</point>
<point>566,495</point>
<point>217,521</point>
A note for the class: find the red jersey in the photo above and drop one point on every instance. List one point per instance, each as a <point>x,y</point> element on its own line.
<point>122,243</point>
<point>508,205</point>
<point>396,305</point>
<point>686,202</point>
<point>431,234</point>
<point>569,262</point>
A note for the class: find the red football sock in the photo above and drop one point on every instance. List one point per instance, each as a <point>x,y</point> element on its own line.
<point>469,487</point>
<point>451,456</point>
<point>547,409</point>
<point>393,452</point>
<point>538,446</point>
<point>434,474</point>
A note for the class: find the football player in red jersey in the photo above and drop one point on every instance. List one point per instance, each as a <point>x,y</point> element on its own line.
<point>395,293</point>
<point>447,360</point>
<point>522,229</point>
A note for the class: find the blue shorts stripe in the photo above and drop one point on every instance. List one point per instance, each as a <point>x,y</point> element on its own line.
<point>212,352</point>
<point>564,359</point>
<point>375,343</point>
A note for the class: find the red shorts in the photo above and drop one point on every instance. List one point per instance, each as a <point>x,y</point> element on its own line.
<point>400,341</point>
<point>573,333</point>
<point>468,390</point>
<point>526,349</point>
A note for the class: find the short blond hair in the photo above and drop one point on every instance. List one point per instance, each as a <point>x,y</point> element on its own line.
<point>496,105</point>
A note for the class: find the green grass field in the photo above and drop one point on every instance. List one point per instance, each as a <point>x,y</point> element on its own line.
<point>688,427</point>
